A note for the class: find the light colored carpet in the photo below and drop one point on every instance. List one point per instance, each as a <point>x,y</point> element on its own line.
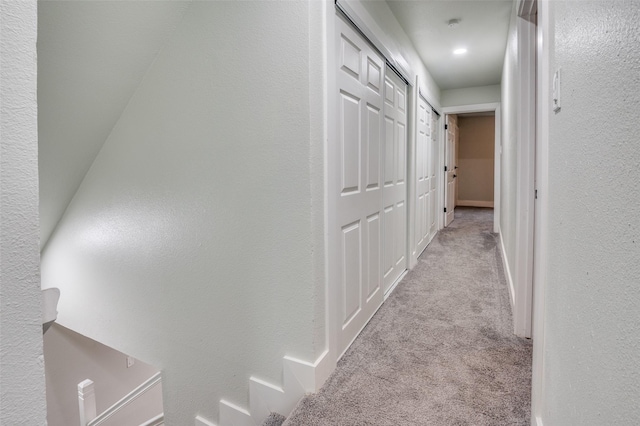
<point>440,351</point>
<point>274,419</point>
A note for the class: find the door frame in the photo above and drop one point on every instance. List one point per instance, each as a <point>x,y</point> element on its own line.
<point>543,38</point>
<point>525,160</point>
<point>450,162</point>
<point>488,107</point>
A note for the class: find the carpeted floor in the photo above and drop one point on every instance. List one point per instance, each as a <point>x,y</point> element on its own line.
<point>440,351</point>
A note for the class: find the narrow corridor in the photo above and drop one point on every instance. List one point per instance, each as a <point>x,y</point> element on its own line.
<point>440,351</point>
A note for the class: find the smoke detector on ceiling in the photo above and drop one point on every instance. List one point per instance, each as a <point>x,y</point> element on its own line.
<point>453,23</point>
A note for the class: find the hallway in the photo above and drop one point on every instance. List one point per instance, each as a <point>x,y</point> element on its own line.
<point>440,351</point>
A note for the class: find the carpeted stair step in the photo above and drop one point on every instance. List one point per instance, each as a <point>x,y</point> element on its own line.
<point>274,419</point>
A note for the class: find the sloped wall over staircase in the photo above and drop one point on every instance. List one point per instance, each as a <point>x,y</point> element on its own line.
<point>191,243</point>
<point>91,58</point>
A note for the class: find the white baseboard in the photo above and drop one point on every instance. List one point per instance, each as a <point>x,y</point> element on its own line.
<point>201,421</point>
<point>299,378</point>
<point>512,291</point>
<point>474,203</point>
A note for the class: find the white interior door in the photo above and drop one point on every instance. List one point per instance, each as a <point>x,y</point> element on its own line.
<point>452,127</point>
<point>394,220</point>
<point>356,191</point>
<point>424,199</point>
<point>433,198</point>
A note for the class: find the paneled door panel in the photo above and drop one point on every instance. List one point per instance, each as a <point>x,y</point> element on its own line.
<point>351,149</point>
<point>352,271</point>
<point>395,188</point>
<point>452,127</point>
<point>424,165</point>
<point>356,190</point>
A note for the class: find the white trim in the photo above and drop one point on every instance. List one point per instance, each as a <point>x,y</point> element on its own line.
<point>463,109</point>
<point>440,182</point>
<point>234,415</point>
<point>507,272</point>
<point>155,421</point>
<point>125,400</point>
<point>332,291</point>
<point>497,170</point>
<point>495,107</point>
<point>525,192</point>
<point>541,231</point>
<point>311,376</point>
<point>201,421</point>
<point>299,378</point>
<point>395,284</point>
<point>86,401</point>
<point>474,203</point>
<point>326,11</point>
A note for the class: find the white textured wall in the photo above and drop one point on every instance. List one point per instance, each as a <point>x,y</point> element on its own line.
<point>592,321</point>
<point>476,148</point>
<point>190,243</point>
<point>509,120</point>
<point>71,358</point>
<point>470,95</point>
<point>89,51</point>
<point>22,388</point>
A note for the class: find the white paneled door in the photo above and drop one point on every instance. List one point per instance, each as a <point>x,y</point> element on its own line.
<point>452,128</point>
<point>356,183</point>
<point>394,221</point>
<point>424,202</point>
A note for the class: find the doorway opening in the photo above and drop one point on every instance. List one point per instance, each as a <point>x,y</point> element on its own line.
<point>475,158</point>
<point>471,116</point>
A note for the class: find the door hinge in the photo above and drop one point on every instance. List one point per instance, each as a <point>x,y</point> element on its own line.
<point>536,194</point>
<point>446,126</point>
<point>445,168</point>
<point>445,209</point>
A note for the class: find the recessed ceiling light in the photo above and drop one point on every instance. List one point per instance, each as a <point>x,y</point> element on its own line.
<point>460,51</point>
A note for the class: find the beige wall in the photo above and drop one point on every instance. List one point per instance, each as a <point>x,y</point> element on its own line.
<point>71,358</point>
<point>475,159</point>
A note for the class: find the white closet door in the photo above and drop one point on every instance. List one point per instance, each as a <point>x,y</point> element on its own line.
<point>394,259</point>
<point>356,191</point>
<point>424,200</point>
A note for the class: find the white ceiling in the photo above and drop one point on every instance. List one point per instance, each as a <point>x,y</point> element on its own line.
<point>483,29</point>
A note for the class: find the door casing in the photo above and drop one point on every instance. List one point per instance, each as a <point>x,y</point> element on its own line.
<point>487,107</point>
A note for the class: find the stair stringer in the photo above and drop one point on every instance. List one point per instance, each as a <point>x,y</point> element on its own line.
<point>299,378</point>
